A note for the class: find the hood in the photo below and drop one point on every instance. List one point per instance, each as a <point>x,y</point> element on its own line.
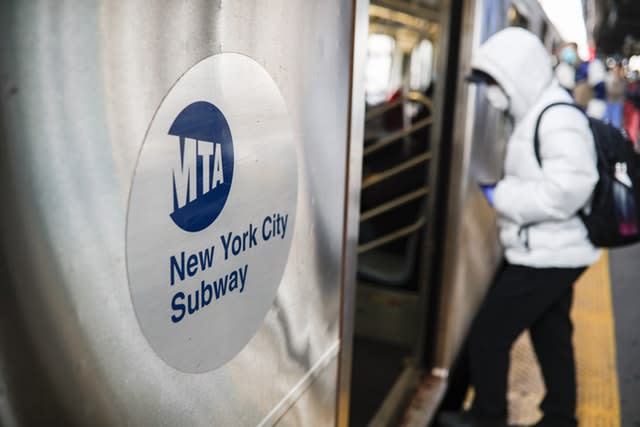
<point>519,63</point>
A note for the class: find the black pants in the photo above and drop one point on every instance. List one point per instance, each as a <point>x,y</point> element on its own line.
<point>538,299</point>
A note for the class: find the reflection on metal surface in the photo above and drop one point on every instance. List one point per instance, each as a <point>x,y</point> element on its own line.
<point>299,389</point>
<point>87,78</point>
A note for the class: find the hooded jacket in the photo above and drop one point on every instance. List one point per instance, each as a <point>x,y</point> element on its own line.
<point>537,206</point>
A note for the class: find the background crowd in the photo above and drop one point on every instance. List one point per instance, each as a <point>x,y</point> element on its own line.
<point>607,90</point>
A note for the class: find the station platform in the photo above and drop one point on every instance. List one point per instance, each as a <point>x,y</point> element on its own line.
<point>607,395</point>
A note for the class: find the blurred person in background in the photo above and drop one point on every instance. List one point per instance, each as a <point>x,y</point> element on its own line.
<point>566,69</point>
<point>584,80</point>
<point>632,108</point>
<point>590,91</point>
<point>616,86</point>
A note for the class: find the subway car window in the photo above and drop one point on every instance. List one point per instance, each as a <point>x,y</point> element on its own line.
<point>380,53</point>
<point>421,66</point>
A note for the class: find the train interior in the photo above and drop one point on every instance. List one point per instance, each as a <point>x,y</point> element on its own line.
<point>397,184</point>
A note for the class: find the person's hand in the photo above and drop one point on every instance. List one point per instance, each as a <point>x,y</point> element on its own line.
<point>488,190</point>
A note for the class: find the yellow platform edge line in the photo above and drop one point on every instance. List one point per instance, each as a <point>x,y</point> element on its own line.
<point>595,348</point>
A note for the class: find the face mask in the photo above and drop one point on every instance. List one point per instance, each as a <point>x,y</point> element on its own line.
<point>568,55</point>
<point>497,98</point>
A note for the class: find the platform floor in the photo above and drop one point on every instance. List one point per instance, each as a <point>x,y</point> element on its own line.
<point>599,391</point>
<point>624,265</point>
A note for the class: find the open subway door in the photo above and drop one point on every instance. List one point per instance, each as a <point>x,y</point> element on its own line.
<point>427,244</point>
<point>397,189</point>
<point>408,74</point>
<point>174,180</point>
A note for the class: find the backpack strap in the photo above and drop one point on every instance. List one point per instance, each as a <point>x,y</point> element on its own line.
<point>536,139</point>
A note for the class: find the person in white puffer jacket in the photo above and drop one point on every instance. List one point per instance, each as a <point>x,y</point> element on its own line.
<point>546,244</point>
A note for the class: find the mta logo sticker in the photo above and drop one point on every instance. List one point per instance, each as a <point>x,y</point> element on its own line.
<point>203,170</point>
<point>211,214</point>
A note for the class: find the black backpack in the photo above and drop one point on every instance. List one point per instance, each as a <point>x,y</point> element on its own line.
<point>614,215</point>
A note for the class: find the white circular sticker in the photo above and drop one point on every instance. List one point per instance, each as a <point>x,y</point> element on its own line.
<point>211,212</point>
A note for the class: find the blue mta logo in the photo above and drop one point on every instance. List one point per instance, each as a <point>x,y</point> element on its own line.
<point>203,168</point>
